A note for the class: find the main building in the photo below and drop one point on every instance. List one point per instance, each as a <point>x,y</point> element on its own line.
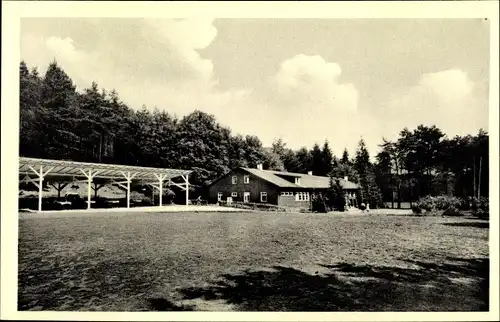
<point>249,185</point>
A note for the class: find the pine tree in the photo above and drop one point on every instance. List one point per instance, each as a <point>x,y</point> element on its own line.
<point>370,192</point>
<point>335,195</point>
<point>91,128</point>
<point>58,115</point>
<point>317,160</point>
<point>279,147</point>
<point>304,160</point>
<point>345,157</point>
<point>29,112</point>
<point>327,159</point>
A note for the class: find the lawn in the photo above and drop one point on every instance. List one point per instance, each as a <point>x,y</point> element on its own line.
<point>252,262</point>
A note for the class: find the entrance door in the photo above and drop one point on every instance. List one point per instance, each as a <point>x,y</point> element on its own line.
<point>246,197</point>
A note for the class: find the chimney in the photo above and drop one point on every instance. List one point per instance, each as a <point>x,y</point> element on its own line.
<point>346,178</point>
<point>259,166</point>
<point>310,173</point>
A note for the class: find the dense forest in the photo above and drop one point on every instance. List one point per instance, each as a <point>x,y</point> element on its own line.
<point>93,125</point>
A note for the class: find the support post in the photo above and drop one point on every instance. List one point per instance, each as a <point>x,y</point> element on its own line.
<point>89,188</point>
<point>129,178</point>
<point>90,176</point>
<point>40,188</point>
<point>187,188</point>
<point>41,175</point>
<point>160,178</point>
<point>128,189</point>
<point>59,187</point>
<point>161,190</point>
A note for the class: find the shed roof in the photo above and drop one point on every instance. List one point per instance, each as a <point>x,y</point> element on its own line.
<point>100,170</point>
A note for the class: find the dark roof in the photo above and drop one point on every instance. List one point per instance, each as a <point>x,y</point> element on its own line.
<point>306,180</point>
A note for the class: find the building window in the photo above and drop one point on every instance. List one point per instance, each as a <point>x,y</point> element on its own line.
<point>234,194</point>
<point>263,197</point>
<point>246,179</point>
<point>219,196</point>
<point>286,193</point>
<point>302,196</point>
<point>297,180</point>
<point>246,197</point>
<point>235,179</point>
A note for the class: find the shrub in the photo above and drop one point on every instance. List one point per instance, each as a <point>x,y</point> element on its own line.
<point>452,212</point>
<point>426,204</point>
<point>431,204</point>
<point>481,207</point>
<point>135,195</point>
<point>416,209</point>
<point>319,204</point>
<point>168,196</point>
<point>147,201</point>
<point>335,198</point>
<point>466,204</point>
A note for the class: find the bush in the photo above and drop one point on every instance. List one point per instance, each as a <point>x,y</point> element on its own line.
<point>430,204</point>
<point>416,210</point>
<point>147,201</point>
<point>319,204</point>
<point>335,198</point>
<point>466,204</point>
<point>452,212</point>
<point>481,207</point>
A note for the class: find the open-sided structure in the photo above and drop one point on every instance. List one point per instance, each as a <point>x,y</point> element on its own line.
<point>121,175</point>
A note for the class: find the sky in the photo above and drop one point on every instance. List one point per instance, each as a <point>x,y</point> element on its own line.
<point>302,80</point>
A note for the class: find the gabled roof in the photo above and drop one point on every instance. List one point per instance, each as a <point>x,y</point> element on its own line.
<point>306,180</point>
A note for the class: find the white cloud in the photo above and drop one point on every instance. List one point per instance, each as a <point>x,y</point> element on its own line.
<point>310,80</point>
<point>450,86</point>
<point>65,49</point>
<point>449,99</point>
<point>305,102</point>
<point>191,33</point>
<point>152,62</point>
<point>185,37</point>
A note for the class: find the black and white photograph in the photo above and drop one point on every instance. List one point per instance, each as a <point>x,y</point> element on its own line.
<point>237,161</point>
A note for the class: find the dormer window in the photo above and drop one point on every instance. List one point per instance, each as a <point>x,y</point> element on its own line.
<point>297,181</point>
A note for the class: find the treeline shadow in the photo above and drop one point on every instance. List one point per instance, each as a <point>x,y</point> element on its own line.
<point>161,304</point>
<point>351,287</point>
<point>475,224</point>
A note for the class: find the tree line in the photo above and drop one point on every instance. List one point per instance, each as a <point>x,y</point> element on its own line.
<point>94,125</point>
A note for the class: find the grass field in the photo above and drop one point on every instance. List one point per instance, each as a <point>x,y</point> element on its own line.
<point>252,262</point>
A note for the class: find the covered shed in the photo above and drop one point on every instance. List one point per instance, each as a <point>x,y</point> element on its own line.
<point>35,171</point>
